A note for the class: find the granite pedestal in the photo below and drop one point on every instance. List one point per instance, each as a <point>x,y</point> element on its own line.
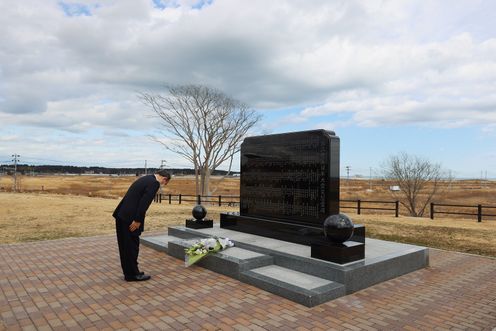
<point>288,269</point>
<point>199,224</point>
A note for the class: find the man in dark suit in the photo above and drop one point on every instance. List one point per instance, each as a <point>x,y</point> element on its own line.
<point>130,219</point>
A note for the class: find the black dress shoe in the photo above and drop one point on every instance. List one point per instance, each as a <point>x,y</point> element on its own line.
<point>137,278</point>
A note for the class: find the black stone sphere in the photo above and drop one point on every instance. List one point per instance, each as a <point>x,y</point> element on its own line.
<point>199,212</point>
<point>338,228</point>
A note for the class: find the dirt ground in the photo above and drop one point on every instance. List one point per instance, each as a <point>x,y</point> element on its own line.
<point>42,216</point>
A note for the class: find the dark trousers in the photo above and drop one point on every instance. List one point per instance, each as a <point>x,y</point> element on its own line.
<point>128,248</point>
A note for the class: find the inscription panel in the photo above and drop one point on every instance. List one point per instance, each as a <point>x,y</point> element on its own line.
<point>292,176</point>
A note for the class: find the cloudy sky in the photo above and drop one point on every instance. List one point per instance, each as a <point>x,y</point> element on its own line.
<point>386,76</point>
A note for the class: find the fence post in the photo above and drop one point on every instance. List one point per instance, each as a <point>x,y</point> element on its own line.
<point>432,210</point>
<point>397,208</point>
<point>180,195</point>
<point>198,199</point>
<point>479,213</point>
<point>170,199</point>
<point>358,206</point>
<point>220,200</point>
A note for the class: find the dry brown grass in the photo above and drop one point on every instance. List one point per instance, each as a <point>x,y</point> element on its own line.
<point>462,191</point>
<point>457,235</point>
<point>111,186</point>
<point>32,216</point>
<point>41,215</point>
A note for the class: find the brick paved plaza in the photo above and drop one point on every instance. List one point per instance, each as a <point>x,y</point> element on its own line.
<point>77,284</point>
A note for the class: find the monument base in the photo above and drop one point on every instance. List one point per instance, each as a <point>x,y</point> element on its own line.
<point>199,224</point>
<point>348,251</point>
<point>287,269</point>
<point>292,232</point>
<point>299,234</point>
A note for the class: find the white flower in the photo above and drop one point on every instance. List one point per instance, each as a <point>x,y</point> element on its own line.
<point>225,242</point>
<point>209,243</point>
<point>203,247</point>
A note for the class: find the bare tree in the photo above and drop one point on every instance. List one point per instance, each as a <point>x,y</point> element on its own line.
<point>202,124</point>
<point>419,181</point>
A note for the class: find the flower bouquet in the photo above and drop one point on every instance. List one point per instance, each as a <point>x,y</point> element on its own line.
<point>203,247</point>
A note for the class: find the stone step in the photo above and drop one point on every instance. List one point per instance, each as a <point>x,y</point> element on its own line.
<point>184,233</point>
<point>159,243</point>
<point>297,286</point>
<point>230,262</point>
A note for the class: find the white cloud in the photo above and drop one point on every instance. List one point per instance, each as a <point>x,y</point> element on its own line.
<point>76,66</point>
<point>449,84</point>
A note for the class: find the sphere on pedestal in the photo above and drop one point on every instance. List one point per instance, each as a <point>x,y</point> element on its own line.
<point>338,228</point>
<point>199,212</point>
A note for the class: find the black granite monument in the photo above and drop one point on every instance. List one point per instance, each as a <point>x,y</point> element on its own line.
<point>289,187</point>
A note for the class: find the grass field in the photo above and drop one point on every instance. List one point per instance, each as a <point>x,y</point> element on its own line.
<point>110,186</point>
<point>42,216</point>
<point>465,192</point>
<point>52,207</point>
<point>460,191</point>
<point>34,216</point>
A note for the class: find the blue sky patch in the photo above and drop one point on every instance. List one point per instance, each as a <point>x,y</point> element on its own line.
<point>159,4</point>
<point>75,9</point>
<point>162,4</point>
<point>202,3</point>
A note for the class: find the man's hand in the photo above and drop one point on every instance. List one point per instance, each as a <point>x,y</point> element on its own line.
<point>134,226</point>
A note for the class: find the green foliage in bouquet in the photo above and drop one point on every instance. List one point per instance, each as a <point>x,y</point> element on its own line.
<point>201,248</point>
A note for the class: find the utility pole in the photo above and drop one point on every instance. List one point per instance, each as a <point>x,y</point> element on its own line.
<point>348,172</point>
<point>370,178</point>
<point>15,160</point>
<point>145,168</point>
<point>162,166</point>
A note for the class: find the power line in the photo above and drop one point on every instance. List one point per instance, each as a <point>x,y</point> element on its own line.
<point>42,161</point>
<point>28,158</point>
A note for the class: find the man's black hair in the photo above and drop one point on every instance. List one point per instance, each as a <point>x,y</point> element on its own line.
<point>164,173</point>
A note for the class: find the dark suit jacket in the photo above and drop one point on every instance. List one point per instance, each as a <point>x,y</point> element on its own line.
<point>135,203</point>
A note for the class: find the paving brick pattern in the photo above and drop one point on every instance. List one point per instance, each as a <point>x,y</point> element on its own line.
<point>76,284</point>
